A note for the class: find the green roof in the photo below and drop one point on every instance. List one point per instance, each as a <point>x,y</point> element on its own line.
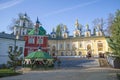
<point>42,31</point>
<point>38,55</point>
<point>31,32</point>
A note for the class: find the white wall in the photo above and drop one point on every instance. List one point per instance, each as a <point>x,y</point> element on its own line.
<point>4,45</point>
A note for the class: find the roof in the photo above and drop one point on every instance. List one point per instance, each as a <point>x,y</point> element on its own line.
<point>53,32</point>
<point>9,36</point>
<point>38,55</point>
<point>71,37</point>
<point>42,31</point>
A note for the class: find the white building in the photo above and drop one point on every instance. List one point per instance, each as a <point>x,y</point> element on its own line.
<point>23,25</point>
<point>7,41</point>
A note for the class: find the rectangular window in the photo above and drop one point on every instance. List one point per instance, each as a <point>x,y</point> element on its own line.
<point>68,46</point>
<point>31,40</point>
<point>100,47</point>
<point>60,46</point>
<point>40,41</point>
<point>80,45</point>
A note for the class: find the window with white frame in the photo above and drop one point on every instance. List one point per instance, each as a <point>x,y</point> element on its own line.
<point>40,40</point>
<point>61,46</point>
<point>100,46</point>
<point>68,46</point>
<point>31,40</point>
<point>80,45</point>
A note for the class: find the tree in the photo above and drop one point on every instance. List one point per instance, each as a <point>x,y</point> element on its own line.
<point>14,57</point>
<point>59,30</point>
<point>109,23</point>
<point>16,21</point>
<point>99,22</point>
<point>114,41</point>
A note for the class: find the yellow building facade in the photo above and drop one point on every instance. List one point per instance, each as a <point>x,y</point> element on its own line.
<point>78,44</point>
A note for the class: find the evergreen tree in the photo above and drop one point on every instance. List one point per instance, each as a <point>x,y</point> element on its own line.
<point>114,41</point>
<point>14,57</point>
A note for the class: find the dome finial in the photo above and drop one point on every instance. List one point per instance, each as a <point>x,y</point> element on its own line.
<point>77,24</point>
<point>87,26</point>
<point>37,20</point>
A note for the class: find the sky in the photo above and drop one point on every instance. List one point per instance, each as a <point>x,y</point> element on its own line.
<point>54,12</point>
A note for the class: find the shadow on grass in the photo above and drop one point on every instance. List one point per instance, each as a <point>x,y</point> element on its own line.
<point>8,72</point>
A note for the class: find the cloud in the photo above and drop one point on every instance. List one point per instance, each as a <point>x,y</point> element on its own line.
<point>71,8</point>
<point>9,3</point>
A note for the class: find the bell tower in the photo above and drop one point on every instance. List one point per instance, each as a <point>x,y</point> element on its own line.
<point>65,32</point>
<point>78,29</point>
<point>53,33</point>
<point>99,31</point>
<point>87,31</point>
<point>22,25</point>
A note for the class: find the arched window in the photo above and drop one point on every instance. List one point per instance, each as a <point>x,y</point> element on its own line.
<point>98,33</point>
<point>88,47</point>
<point>53,48</point>
<point>87,34</point>
<point>100,46</point>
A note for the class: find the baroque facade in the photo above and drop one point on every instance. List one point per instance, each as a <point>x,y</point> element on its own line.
<point>22,25</point>
<point>80,44</point>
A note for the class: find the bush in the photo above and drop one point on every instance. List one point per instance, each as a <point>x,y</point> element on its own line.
<point>117,62</point>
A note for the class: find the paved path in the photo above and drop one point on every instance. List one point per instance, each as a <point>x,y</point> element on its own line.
<point>69,74</point>
<point>77,63</point>
<point>71,69</point>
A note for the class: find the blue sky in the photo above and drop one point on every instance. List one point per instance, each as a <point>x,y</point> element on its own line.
<point>53,12</point>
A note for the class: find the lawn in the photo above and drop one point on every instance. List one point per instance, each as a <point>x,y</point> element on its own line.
<point>7,72</point>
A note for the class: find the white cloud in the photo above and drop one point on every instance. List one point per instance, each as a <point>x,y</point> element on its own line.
<point>9,3</point>
<point>71,8</point>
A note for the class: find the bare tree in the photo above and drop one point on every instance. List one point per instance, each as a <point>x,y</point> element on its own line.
<point>109,23</point>
<point>100,22</point>
<point>16,21</point>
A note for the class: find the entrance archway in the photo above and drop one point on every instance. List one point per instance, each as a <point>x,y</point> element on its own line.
<point>89,52</point>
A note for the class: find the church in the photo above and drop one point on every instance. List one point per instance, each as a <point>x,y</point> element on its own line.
<point>80,44</point>
<point>35,39</point>
<point>33,35</point>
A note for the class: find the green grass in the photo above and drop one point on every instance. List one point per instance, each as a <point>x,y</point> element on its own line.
<point>7,72</point>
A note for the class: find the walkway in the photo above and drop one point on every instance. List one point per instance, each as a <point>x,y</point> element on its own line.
<point>71,69</point>
<point>69,74</point>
